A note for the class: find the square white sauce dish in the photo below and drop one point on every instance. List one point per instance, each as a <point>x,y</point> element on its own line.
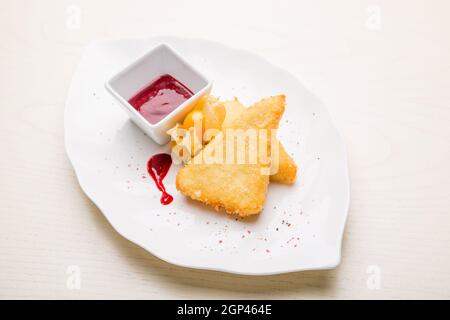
<point>158,90</point>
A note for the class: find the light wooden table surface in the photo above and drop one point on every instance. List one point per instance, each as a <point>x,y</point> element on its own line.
<point>381,67</point>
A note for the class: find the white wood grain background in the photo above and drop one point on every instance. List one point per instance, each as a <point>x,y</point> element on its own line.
<point>382,68</point>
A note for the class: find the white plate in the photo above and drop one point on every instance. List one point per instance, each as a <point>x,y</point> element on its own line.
<point>301,226</point>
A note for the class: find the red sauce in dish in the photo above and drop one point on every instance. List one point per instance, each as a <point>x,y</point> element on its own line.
<point>160,98</point>
<point>157,167</point>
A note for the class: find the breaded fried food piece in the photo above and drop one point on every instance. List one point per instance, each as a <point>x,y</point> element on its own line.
<point>287,169</point>
<point>237,188</point>
<point>265,114</point>
<point>233,109</point>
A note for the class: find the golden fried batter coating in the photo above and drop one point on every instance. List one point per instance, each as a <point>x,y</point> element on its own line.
<point>287,169</point>
<point>237,188</point>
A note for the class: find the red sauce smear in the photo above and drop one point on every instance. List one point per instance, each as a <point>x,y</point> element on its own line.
<point>160,98</point>
<point>157,167</point>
